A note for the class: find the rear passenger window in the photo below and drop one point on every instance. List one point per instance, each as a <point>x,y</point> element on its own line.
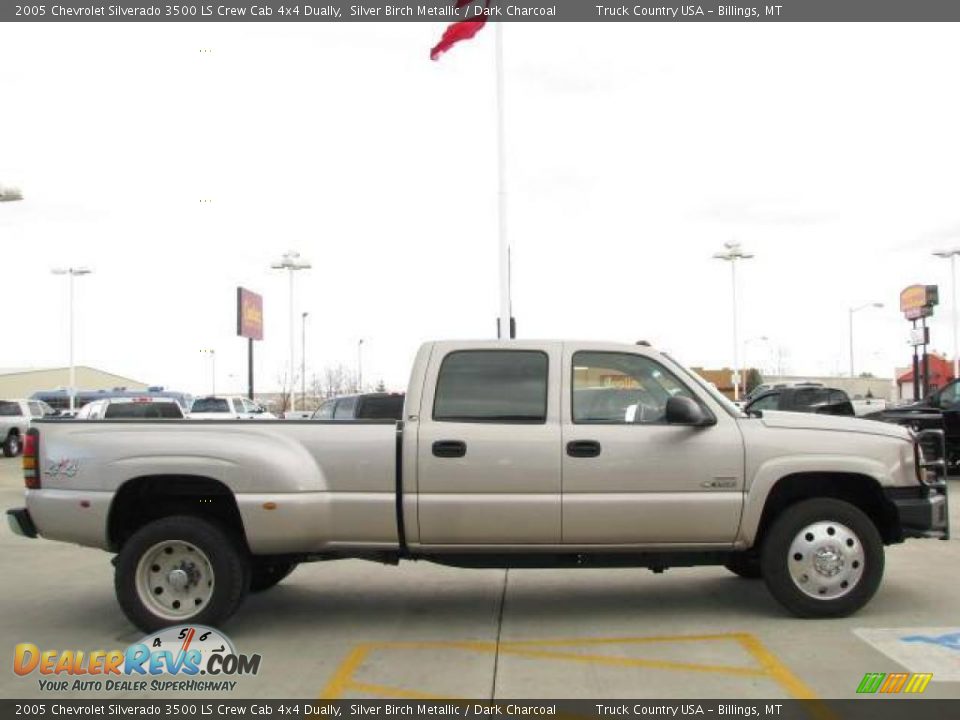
<point>345,409</point>
<point>325,412</point>
<point>505,386</point>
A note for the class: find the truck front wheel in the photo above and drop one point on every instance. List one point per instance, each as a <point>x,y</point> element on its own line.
<point>822,558</point>
<point>180,569</point>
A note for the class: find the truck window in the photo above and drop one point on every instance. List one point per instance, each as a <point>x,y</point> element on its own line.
<point>9,409</point>
<point>345,408</point>
<point>507,386</point>
<point>206,405</point>
<point>766,402</point>
<point>950,395</point>
<point>620,388</point>
<point>381,408</point>
<point>325,411</point>
<point>810,398</point>
<point>156,410</point>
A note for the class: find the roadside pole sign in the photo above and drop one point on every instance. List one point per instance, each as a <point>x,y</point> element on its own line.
<point>250,326</point>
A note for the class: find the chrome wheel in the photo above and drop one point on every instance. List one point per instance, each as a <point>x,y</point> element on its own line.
<point>174,579</point>
<point>826,560</point>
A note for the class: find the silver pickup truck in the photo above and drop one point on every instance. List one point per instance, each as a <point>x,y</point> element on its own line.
<point>509,454</point>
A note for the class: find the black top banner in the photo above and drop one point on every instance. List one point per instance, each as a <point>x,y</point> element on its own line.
<point>495,10</point>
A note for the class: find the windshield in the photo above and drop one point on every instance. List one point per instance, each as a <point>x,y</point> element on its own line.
<point>210,405</point>
<point>154,410</point>
<point>711,390</point>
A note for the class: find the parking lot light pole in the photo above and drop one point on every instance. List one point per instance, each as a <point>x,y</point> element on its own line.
<point>71,273</point>
<point>732,254</point>
<point>303,360</point>
<point>852,311</point>
<point>952,254</point>
<point>213,370</point>
<point>291,262</point>
<point>360,365</point>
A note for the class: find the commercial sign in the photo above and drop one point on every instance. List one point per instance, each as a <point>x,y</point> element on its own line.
<point>917,301</point>
<point>249,314</point>
<point>919,336</point>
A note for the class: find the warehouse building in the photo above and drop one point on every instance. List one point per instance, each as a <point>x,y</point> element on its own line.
<point>23,382</point>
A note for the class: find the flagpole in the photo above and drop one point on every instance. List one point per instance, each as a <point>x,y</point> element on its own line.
<point>504,326</point>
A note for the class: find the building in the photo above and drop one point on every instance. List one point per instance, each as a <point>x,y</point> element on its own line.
<point>23,382</point>
<point>941,372</point>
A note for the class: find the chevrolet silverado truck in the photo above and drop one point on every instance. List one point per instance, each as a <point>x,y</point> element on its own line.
<point>508,454</point>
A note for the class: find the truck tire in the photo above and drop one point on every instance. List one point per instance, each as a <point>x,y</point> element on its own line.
<point>180,570</point>
<point>745,565</point>
<point>12,445</point>
<point>264,574</point>
<point>822,558</point>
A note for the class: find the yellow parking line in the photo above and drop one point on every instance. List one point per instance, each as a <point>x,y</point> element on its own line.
<point>624,640</point>
<point>342,678</point>
<point>634,662</point>
<point>769,665</point>
<point>776,669</point>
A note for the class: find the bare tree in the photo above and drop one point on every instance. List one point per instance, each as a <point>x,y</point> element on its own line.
<point>333,381</point>
<point>285,398</point>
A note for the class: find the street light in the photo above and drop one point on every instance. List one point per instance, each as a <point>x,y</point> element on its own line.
<point>360,365</point>
<point>72,272</point>
<point>303,360</point>
<point>952,254</point>
<point>733,253</point>
<point>213,370</point>
<point>852,311</point>
<point>291,262</point>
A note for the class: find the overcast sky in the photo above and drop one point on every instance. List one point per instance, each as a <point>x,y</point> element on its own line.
<point>634,152</point>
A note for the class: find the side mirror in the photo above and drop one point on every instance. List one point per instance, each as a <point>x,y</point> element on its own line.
<point>684,411</point>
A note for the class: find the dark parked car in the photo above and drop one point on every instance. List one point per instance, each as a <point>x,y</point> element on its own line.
<point>369,406</point>
<point>804,398</point>
<point>938,411</point>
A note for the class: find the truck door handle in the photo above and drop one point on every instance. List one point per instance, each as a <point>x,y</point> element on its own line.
<point>449,448</point>
<point>583,448</point>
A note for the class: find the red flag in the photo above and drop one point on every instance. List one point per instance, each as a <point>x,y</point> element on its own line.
<point>460,30</point>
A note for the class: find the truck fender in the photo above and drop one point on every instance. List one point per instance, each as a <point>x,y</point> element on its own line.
<point>772,471</point>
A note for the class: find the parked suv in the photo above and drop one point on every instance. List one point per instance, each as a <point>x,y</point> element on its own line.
<point>804,398</point>
<point>145,408</point>
<point>15,416</point>
<point>369,406</point>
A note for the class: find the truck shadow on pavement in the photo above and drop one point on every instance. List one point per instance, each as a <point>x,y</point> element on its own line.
<point>577,598</point>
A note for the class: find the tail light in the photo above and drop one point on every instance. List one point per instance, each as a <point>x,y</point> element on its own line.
<point>31,459</point>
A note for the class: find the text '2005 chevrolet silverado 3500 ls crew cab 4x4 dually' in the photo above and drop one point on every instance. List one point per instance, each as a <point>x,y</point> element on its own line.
<point>509,454</point>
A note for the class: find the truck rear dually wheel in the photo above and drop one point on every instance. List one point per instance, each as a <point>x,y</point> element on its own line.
<point>180,569</point>
<point>822,558</point>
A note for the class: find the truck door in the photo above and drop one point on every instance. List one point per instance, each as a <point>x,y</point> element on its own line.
<point>631,478</point>
<point>488,446</point>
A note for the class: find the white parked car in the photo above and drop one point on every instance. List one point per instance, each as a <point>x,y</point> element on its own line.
<point>15,417</point>
<point>228,407</point>
<point>140,408</point>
